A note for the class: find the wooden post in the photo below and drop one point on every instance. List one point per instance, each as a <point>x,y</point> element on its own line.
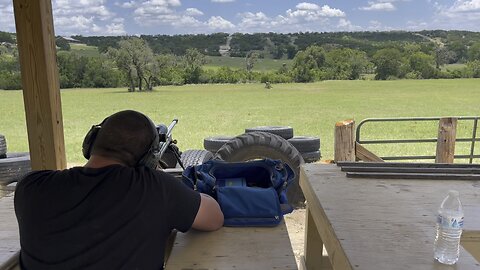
<point>41,90</point>
<point>344,141</point>
<point>447,133</point>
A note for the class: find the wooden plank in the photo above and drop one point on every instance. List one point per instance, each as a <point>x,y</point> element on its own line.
<point>41,90</point>
<point>233,248</point>
<point>344,141</point>
<point>411,170</point>
<point>387,224</point>
<point>406,165</point>
<point>313,245</point>
<point>418,176</point>
<point>447,134</point>
<point>337,255</point>
<point>9,238</point>
<point>364,154</point>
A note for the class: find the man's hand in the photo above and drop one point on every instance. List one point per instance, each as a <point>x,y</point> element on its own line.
<point>209,216</point>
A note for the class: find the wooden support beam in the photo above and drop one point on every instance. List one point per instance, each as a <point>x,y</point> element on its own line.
<point>447,133</point>
<point>364,154</point>
<point>41,90</point>
<point>344,141</point>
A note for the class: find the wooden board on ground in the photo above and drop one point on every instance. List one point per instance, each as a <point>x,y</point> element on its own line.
<point>233,248</point>
<point>9,238</point>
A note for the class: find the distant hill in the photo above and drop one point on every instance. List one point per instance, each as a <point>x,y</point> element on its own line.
<point>281,46</point>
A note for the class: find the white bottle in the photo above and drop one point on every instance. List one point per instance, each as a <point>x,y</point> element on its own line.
<point>449,229</point>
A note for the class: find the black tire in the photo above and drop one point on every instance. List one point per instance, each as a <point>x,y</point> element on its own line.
<point>212,144</point>
<point>14,167</point>
<point>310,157</point>
<point>284,132</point>
<point>3,147</point>
<point>305,144</point>
<point>195,157</point>
<point>257,145</point>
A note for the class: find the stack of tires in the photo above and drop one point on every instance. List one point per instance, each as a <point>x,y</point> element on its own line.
<point>13,166</point>
<point>269,142</point>
<point>307,146</point>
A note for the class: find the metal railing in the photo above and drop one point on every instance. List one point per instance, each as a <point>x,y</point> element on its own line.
<point>471,139</point>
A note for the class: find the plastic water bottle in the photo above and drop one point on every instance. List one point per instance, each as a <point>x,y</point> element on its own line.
<point>449,229</point>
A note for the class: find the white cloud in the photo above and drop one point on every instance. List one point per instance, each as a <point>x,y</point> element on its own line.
<point>314,14</point>
<point>115,29</point>
<point>222,1</point>
<point>7,21</point>
<point>380,6</point>
<point>375,25</point>
<point>307,6</point>
<point>254,20</point>
<point>94,8</point>
<point>346,25</point>
<point>193,12</point>
<point>152,12</point>
<point>70,24</point>
<point>186,21</point>
<point>462,7</point>
<point>129,4</point>
<point>305,16</point>
<point>461,12</point>
<point>219,23</point>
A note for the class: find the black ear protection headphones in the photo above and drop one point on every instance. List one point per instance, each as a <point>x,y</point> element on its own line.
<point>149,158</point>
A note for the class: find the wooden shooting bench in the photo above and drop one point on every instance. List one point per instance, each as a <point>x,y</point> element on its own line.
<point>385,219</point>
<point>233,248</point>
<point>9,238</point>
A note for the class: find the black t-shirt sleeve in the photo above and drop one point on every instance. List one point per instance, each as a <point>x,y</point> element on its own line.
<point>183,203</point>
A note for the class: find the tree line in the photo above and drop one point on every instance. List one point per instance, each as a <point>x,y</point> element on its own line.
<point>132,62</point>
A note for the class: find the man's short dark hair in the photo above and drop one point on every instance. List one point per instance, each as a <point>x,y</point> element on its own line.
<point>125,136</point>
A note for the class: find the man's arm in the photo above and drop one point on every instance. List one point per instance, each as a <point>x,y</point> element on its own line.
<point>209,216</point>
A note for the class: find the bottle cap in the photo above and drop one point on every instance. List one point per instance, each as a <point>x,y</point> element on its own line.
<point>453,193</point>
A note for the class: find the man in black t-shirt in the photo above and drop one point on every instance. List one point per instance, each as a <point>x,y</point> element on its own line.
<point>113,213</point>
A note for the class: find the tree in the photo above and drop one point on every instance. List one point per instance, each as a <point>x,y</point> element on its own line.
<point>134,58</point>
<point>473,68</point>
<point>474,52</point>
<point>304,67</point>
<point>387,63</point>
<point>443,56</point>
<point>193,61</point>
<point>250,59</point>
<point>460,50</point>
<point>291,51</point>
<point>62,44</point>
<point>345,64</point>
<point>423,64</point>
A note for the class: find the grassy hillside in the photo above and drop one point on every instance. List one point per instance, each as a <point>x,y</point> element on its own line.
<point>84,50</point>
<point>311,109</point>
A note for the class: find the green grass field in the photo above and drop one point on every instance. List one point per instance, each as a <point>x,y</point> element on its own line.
<point>267,64</point>
<point>84,50</point>
<point>311,109</point>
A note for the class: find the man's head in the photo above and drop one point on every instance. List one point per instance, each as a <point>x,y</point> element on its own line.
<point>128,136</point>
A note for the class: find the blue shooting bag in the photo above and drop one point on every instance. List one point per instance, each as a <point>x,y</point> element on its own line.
<point>250,193</point>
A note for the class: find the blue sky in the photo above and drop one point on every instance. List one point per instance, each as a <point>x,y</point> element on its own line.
<point>133,17</point>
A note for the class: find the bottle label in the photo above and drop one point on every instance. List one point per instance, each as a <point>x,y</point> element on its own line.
<point>450,222</point>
